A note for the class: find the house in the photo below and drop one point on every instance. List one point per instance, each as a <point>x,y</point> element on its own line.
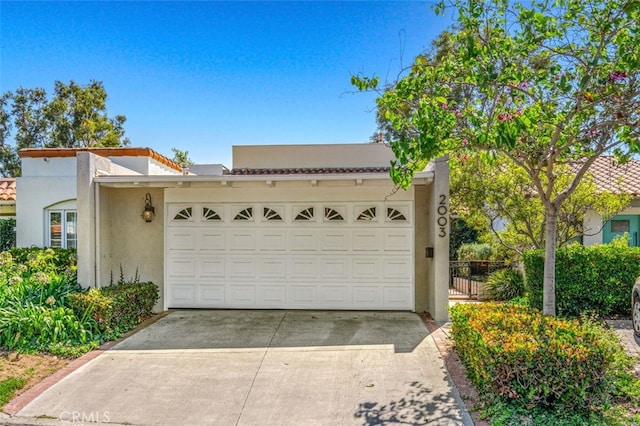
<point>613,178</point>
<point>287,227</point>
<point>7,198</point>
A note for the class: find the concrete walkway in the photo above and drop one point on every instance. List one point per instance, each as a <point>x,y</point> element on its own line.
<point>261,368</point>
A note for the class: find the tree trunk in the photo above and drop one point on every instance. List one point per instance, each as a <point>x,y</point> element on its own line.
<point>549,283</point>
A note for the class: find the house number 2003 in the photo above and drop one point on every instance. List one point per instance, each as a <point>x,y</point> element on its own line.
<point>443,216</point>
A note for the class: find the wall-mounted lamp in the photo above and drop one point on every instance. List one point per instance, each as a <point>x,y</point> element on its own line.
<point>149,212</point>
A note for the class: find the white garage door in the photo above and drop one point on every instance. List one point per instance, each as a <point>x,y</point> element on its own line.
<point>311,256</point>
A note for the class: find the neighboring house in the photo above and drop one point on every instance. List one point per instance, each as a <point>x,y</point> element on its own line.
<point>7,198</point>
<point>288,227</point>
<point>612,178</point>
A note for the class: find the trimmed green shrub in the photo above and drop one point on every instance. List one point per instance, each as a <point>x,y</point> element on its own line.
<point>117,308</point>
<point>7,234</point>
<point>588,279</point>
<point>474,251</point>
<point>505,284</point>
<point>516,354</point>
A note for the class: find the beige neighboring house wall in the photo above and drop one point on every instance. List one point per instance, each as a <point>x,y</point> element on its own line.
<point>7,198</point>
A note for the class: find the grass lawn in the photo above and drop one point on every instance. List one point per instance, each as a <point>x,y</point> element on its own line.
<point>18,372</point>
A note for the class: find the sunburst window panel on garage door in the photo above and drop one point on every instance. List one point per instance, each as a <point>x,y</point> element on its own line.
<point>287,257</point>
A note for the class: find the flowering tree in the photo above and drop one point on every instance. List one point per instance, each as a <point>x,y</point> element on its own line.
<point>549,85</point>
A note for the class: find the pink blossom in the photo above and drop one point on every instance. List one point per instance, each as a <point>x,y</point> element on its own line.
<point>617,76</point>
<point>457,113</point>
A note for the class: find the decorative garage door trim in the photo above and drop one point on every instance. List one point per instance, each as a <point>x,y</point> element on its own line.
<point>306,256</point>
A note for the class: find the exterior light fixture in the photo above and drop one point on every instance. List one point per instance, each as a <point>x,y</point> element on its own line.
<point>149,212</point>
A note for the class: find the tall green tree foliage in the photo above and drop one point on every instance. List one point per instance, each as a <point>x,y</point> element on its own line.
<point>549,85</point>
<point>75,116</point>
<point>500,197</point>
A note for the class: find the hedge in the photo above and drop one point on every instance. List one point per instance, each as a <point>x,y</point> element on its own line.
<point>596,278</point>
<point>517,355</point>
<point>117,308</point>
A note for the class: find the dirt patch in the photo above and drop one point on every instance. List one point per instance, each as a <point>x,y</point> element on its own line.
<point>33,368</point>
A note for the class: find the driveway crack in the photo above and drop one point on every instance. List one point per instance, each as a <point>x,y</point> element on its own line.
<point>264,355</point>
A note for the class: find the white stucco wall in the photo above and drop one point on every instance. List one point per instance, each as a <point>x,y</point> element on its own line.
<point>143,165</point>
<point>44,183</point>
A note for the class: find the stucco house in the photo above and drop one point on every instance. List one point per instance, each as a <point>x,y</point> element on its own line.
<point>613,178</point>
<point>287,227</point>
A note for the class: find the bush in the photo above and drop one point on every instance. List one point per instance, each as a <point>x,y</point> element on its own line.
<point>595,279</point>
<point>7,234</point>
<point>515,354</point>
<point>118,308</point>
<point>30,327</point>
<point>57,260</point>
<point>505,284</point>
<point>474,251</point>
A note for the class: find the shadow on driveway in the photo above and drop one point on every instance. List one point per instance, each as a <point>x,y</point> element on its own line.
<point>223,329</point>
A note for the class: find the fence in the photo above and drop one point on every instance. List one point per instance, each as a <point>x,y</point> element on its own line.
<point>466,278</point>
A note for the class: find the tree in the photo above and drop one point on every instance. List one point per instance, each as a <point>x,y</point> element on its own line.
<point>486,194</point>
<point>181,157</point>
<point>76,116</point>
<point>550,86</point>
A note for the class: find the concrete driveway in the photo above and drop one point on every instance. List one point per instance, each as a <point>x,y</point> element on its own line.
<point>197,367</point>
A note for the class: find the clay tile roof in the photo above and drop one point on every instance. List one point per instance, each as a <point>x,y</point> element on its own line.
<point>310,171</point>
<point>611,177</point>
<point>7,189</point>
<point>119,151</point>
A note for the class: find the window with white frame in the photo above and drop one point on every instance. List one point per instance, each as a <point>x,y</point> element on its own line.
<point>62,228</point>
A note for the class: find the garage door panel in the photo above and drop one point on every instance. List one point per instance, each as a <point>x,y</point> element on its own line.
<point>212,295</point>
<point>182,239</point>
<point>299,295</point>
<point>182,295</point>
<point>398,240</point>
<point>367,240</point>
<point>243,267</point>
<point>271,295</point>
<point>303,240</point>
<point>399,297</point>
<point>303,267</point>
<point>272,267</point>
<point>335,268</point>
<point>212,267</point>
<point>182,267</point>
<point>366,268</point>
<point>334,296</point>
<point>244,295</point>
<point>397,268</point>
<point>337,240</point>
<point>367,296</point>
<point>211,240</point>
<point>273,241</point>
<point>241,240</point>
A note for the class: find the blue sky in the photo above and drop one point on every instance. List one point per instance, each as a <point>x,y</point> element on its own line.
<point>203,76</point>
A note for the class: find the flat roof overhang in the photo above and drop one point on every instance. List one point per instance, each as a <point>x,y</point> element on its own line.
<point>177,181</point>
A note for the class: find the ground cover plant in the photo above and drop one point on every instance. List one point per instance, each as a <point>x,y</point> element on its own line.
<point>535,369</point>
<point>40,321</point>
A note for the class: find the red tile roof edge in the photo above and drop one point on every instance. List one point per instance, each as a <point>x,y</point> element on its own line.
<point>103,152</point>
<point>7,189</point>
<point>309,171</point>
